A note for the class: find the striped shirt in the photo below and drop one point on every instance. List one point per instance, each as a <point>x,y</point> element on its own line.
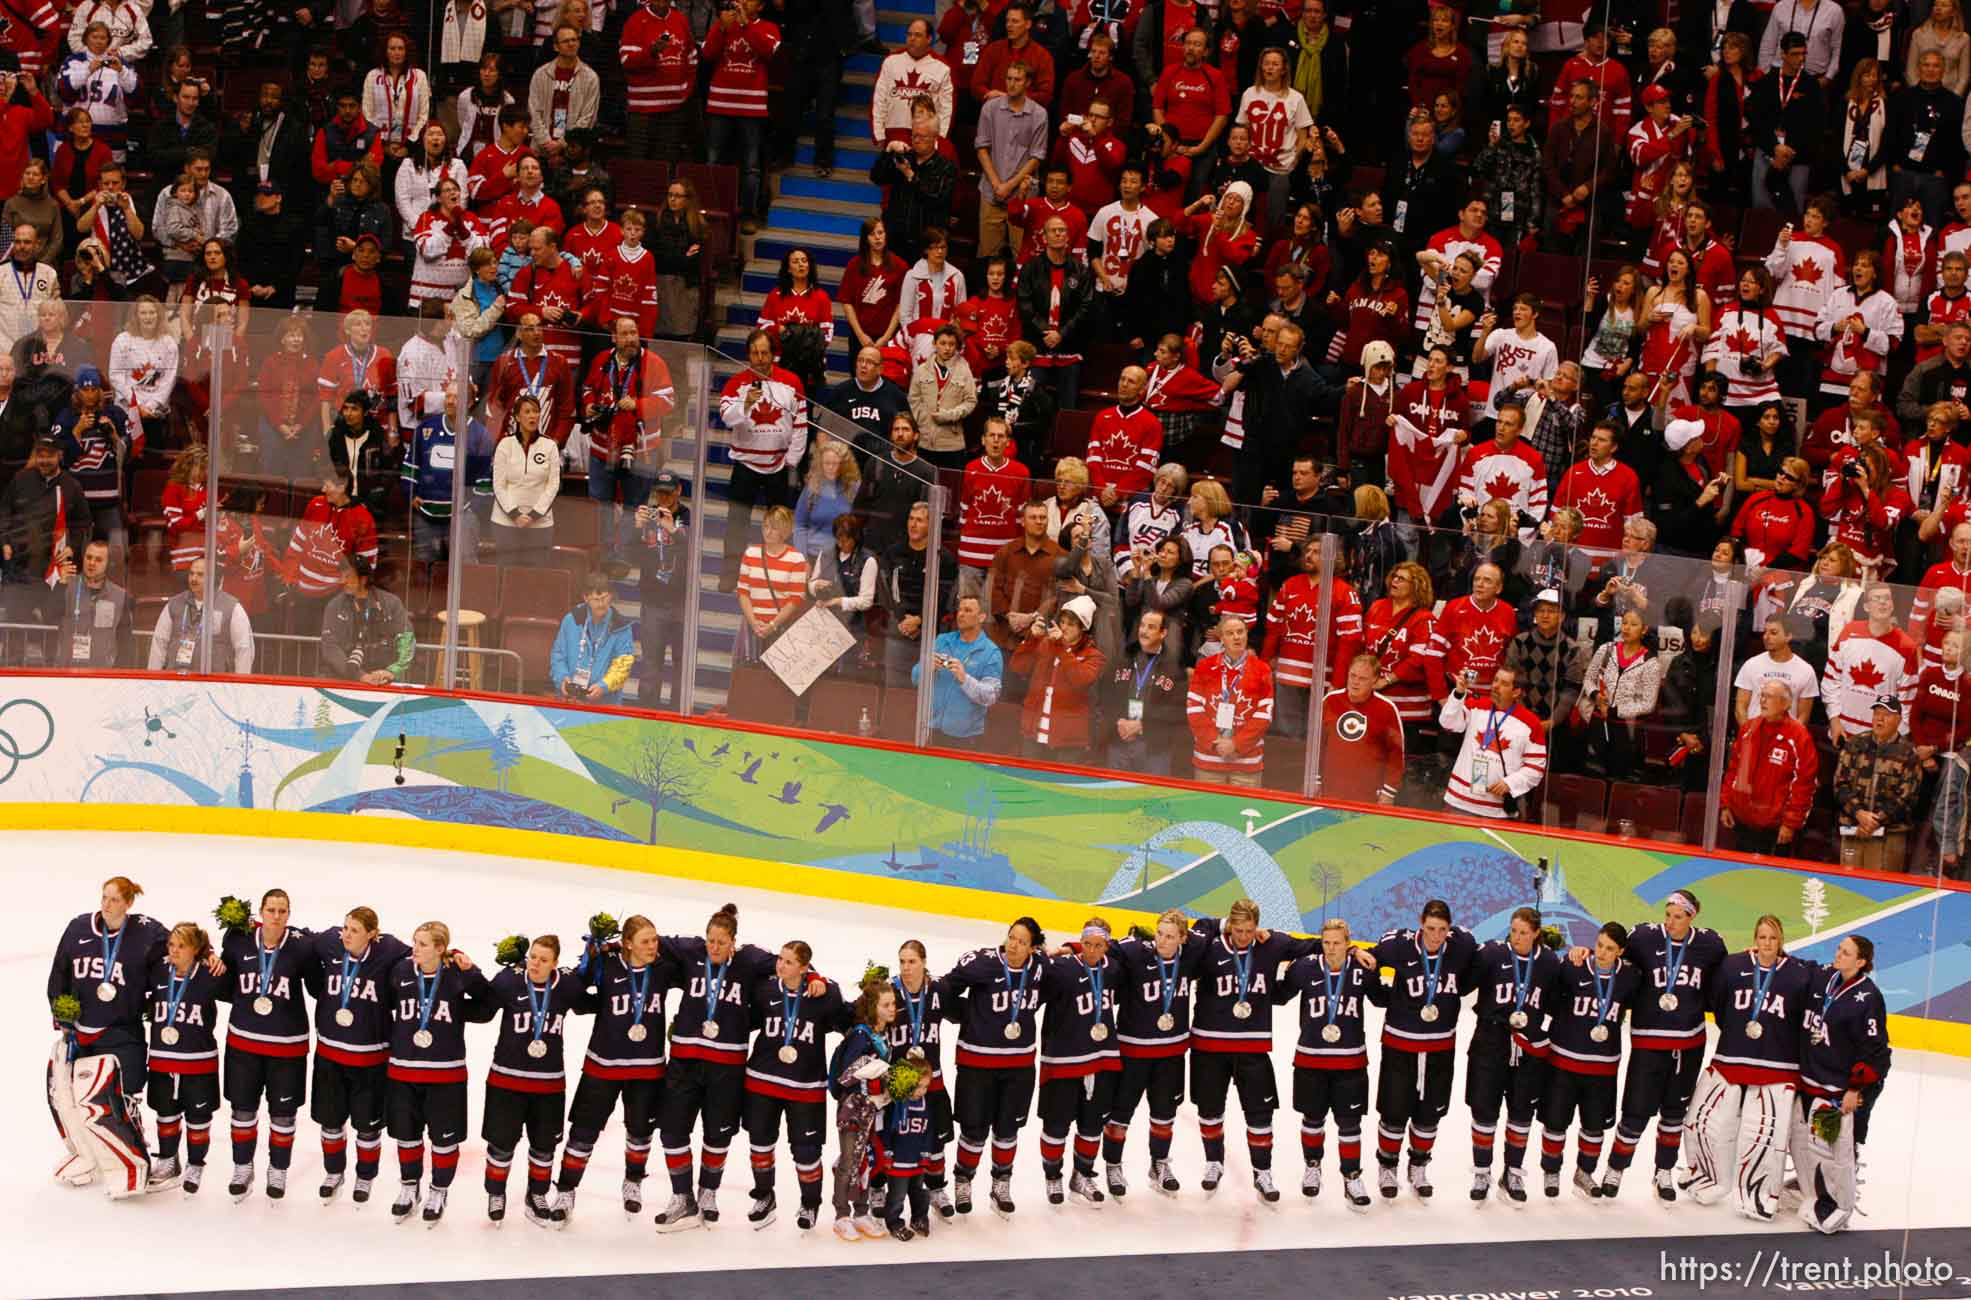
<point>773,582</point>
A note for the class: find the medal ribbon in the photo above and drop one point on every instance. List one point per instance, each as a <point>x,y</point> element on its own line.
<point>537,1003</point>
<point>268,956</point>
<point>1242,965</point>
<point>1018,991</point>
<point>1095,987</point>
<point>111,942</point>
<point>714,986</point>
<point>1432,965</point>
<point>176,994</point>
<point>1762,978</point>
<point>349,967</point>
<point>790,1013</point>
<point>1522,978</point>
<point>1167,981</point>
<point>1673,961</point>
<point>639,981</point>
<point>427,994</point>
<point>1604,994</point>
<point>1331,982</point>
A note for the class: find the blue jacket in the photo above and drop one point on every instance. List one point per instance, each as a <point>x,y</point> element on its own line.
<point>602,654</point>
<point>428,464</point>
<point>815,515</point>
<point>96,458</point>
<point>961,710</point>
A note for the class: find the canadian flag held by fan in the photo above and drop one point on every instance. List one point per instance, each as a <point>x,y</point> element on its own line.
<point>59,553</point>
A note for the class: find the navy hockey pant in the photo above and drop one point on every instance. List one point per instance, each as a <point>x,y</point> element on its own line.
<point>1498,1075</point>
<point>995,1104</point>
<point>1212,1077</point>
<point>283,1081</point>
<point>1658,1086</point>
<point>1413,1092</point>
<point>696,1091</point>
<point>344,1095</point>
<point>1161,1079</point>
<point>1344,1092</point>
<point>508,1112</point>
<point>1082,1103</point>
<point>594,1099</point>
<point>184,1104</point>
<point>806,1122</point>
<point>1592,1096</point>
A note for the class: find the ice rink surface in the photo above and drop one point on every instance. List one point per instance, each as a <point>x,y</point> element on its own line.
<point>59,1239</point>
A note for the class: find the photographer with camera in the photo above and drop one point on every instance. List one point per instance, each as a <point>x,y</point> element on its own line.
<point>1503,756</point>
<point>1863,507</point>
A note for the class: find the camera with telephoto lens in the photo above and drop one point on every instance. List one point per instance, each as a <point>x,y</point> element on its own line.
<point>1852,469</point>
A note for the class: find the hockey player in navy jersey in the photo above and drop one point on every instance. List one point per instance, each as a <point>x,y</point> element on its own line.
<point>184,1055</point>
<point>922,1003</point>
<point>1744,1103</point>
<point>1678,961</point>
<point>1079,1059</point>
<point>1507,1062</point>
<point>1433,972</point>
<point>1331,1060</point>
<point>1153,1028</point>
<point>995,996</point>
<point>527,1086</point>
<point>349,979</point>
<point>787,1076</point>
<point>266,1040</point>
<point>624,1061</point>
<point>434,993</point>
<point>1842,1065</point>
<point>1232,1037</point>
<point>96,1072</point>
<point>1586,1002</point>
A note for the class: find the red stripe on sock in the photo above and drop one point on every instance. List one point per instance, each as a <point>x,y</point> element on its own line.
<point>1482,1141</point>
<point>444,1159</point>
<point>679,1160</point>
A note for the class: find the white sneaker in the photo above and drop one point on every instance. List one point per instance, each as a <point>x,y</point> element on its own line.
<point>1082,1187</point>
<point>434,1206</point>
<point>1214,1174</point>
<point>1262,1182</point>
<point>1118,1185</point>
<point>846,1230</point>
<point>1386,1181</point>
<point>1166,1181</point>
<point>1481,1184</point>
<point>681,1214</point>
<point>1310,1181</point>
<point>1420,1179</point>
<point>1355,1192</point>
<point>406,1201</point>
<point>331,1187</point>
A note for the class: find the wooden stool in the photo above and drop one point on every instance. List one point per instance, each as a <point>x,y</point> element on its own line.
<point>471,667</point>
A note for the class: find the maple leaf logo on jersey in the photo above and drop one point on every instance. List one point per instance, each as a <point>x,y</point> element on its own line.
<point>1866,675</point>
<point>1808,271</point>
<point>1741,340</point>
<point>1300,621</point>
<point>1482,645</point>
<point>765,411</point>
<point>992,506</point>
<point>1501,486</point>
<point>1596,507</point>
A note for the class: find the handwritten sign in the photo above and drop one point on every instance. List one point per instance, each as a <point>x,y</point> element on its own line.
<point>807,648</point>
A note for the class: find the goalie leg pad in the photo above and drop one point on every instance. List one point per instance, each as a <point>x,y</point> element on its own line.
<point>76,1167</point>
<point>1827,1170</point>
<point>1714,1128</point>
<point>1763,1122</point>
<point>108,1126</point>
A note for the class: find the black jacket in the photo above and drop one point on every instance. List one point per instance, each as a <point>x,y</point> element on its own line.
<point>289,160</point>
<point>670,238</point>
<point>271,246</point>
<point>1077,302</point>
<point>888,492</point>
<point>1163,693</point>
<point>1694,36</point>
<point>1158,299</point>
<point>1031,423</point>
<point>1683,527</point>
<point>376,463</point>
<point>1911,110</point>
<point>1804,118</point>
<point>1429,196</point>
<point>924,200</point>
<point>1280,408</point>
<point>27,522</point>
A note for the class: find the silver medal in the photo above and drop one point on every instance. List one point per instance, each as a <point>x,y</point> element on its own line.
<point>1518,1019</point>
<point>106,992</point>
<point>711,1029</point>
<point>345,1017</point>
<point>422,1038</point>
<point>638,1033</point>
<point>1331,1033</point>
<point>1668,1002</point>
<point>1012,1031</point>
<point>1755,1030</point>
<point>788,1055</point>
<point>1099,1032</point>
<point>1166,1022</point>
<point>168,1035</point>
<point>263,1006</point>
<point>1243,1010</point>
<point>1599,1033</point>
<point>1429,1013</point>
<point>537,1049</point>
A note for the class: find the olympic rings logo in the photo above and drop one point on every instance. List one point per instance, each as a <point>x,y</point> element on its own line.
<point>12,752</point>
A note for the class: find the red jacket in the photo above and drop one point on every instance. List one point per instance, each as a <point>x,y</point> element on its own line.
<point>313,563</point>
<point>1248,692</point>
<point>1770,779</point>
<point>1056,712</point>
<point>536,290</point>
<point>1605,498</point>
<point>648,382</point>
<point>556,386</point>
<point>1292,621</point>
<point>18,124</point>
<point>658,57</point>
<point>1780,528</point>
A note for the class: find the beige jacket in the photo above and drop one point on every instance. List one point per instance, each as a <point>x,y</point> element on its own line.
<point>941,415</point>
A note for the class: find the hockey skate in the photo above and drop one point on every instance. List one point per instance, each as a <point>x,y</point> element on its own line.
<point>1118,1185</point>
<point>1420,1179</point>
<point>1514,1184</point>
<point>242,1182</point>
<point>804,1218</point>
<point>434,1206</point>
<point>496,1208</point>
<point>961,1191</point>
<point>276,1184</point>
<point>1585,1185</point>
<point>1269,1191</point>
<point>1355,1192</point>
<point>1056,1190</point>
<point>1611,1184</point>
<point>331,1188</point>
<point>632,1196</point>
<point>1165,1181</point>
<point>1552,1183</point>
<point>1082,1187</point>
<point>1214,1174</point>
<point>539,1210</point>
<point>941,1202</point>
<point>360,1194</point>
<point>1310,1181</point>
<point>1666,1187</point>
<point>1481,1184</point>
<point>1386,1181</point>
<point>1002,1195</point>
<point>400,1209</point>
<point>194,1175</point>
<point>708,1205</point>
<point>563,1212</point>
<point>164,1173</point>
<point>762,1211</point>
<point>682,1213</point>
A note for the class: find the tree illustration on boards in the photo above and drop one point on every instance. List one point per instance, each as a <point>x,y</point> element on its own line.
<point>504,753</point>
<point>1813,903</point>
<point>322,724</point>
<point>1328,881</point>
<point>666,772</point>
<point>1146,822</point>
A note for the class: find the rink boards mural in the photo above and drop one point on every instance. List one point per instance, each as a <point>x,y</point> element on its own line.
<point>637,790</point>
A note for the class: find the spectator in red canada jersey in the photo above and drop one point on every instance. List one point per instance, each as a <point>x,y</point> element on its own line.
<point>739,47</point>
<point>1230,709</point>
<point>1030,215</point>
<point>1093,154</point>
<point>1864,506</point>
<point>1362,755</point>
<point>1292,624</point>
<point>990,322</point>
<point>797,300</point>
<point>529,367</point>
<point>993,490</point>
<point>1473,631</point>
<point>1223,235</point>
<point>496,167</point>
<point>547,287</point>
<point>1603,489</point>
<point>529,201</point>
<point>660,61</point>
<point>1191,97</point>
<point>1777,525</point>
<point>624,284</point>
<point>872,287</point>
<point>1929,622</point>
<point>1124,443</point>
<point>1941,719</point>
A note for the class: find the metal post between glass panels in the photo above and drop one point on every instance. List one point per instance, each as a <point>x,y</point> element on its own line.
<point>217,342</point>
<point>1721,710</point>
<point>698,365</point>
<point>927,635</point>
<point>1310,778</point>
<point>458,412</point>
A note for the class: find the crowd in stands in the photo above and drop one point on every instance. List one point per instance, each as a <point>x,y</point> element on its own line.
<point>1584,340</point>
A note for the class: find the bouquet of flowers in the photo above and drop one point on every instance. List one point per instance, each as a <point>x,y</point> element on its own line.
<point>1826,1124</point>
<point>1551,937</point>
<point>905,1074</point>
<point>67,1009</point>
<point>875,973</point>
<point>603,928</point>
<point>512,950</point>
<point>233,914</point>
